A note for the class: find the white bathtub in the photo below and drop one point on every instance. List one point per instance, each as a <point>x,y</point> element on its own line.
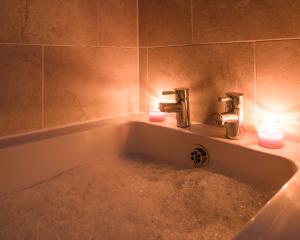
<point>27,160</point>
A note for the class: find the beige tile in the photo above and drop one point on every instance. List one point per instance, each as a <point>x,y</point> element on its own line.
<point>278,82</point>
<point>164,23</point>
<point>207,70</point>
<point>117,23</point>
<point>12,15</point>
<point>228,20</point>
<point>87,83</point>
<point>143,78</point>
<point>59,22</point>
<point>20,89</point>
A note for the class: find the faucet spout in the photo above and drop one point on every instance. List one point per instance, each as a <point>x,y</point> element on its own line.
<point>170,107</point>
<point>228,118</point>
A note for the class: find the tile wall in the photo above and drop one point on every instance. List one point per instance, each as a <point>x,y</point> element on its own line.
<point>63,62</point>
<point>223,45</point>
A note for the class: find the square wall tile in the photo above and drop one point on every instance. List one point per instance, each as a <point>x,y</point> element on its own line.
<point>85,83</point>
<point>118,23</point>
<point>278,82</point>
<point>20,89</point>
<point>143,78</point>
<point>165,22</point>
<point>208,71</point>
<point>228,20</point>
<point>49,21</point>
<point>12,15</point>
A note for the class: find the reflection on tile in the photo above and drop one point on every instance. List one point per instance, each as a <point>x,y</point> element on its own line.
<point>12,14</point>
<point>278,82</point>
<point>20,89</point>
<point>164,24</point>
<point>208,71</point>
<point>117,23</point>
<point>143,76</point>
<point>50,21</point>
<point>88,83</point>
<point>227,20</point>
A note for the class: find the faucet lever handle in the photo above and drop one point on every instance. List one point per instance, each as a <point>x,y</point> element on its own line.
<point>224,99</point>
<point>168,92</point>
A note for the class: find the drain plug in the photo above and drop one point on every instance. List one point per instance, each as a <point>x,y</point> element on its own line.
<point>199,155</point>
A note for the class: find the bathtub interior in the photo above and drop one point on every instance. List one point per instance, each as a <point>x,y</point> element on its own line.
<point>32,159</point>
<point>28,160</point>
<point>159,144</point>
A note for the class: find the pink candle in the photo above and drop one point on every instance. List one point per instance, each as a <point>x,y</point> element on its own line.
<point>270,134</point>
<point>157,116</point>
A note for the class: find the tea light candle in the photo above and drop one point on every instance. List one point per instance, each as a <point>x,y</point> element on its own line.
<point>270,134</point>
<point>157,116</point>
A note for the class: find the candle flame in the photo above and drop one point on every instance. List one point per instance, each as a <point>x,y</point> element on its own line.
<point>270,127</point>
<point>155,101</point>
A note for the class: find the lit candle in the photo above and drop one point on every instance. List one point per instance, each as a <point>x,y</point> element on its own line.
<point>156,116</point>
<point>270,134</point>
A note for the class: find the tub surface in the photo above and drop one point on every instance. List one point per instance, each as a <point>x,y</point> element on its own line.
<point>26,160</point>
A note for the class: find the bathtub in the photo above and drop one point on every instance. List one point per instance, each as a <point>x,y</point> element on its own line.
<point>28,160</point>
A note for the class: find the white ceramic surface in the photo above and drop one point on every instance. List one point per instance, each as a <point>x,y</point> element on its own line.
<point>26,160</point>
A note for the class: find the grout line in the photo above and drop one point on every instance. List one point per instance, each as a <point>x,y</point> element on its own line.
<point>276,39</point>
<point>67,45</point>
<point>137,24</point>
<point>192,21</point>
<point>255,83</point>
<point>138,79</point>
<point>147,79</point>
<point>138,55</point>
<point>97,25</point>
<point>196,44</point>
<point>149,47</point>
<point>20,44</point>
<point>43,87</point>
<point>221,42</point>
<point>90,46</point>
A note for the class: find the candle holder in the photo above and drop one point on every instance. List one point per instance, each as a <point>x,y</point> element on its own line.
<point>270,134</point>
<point>156,116</point>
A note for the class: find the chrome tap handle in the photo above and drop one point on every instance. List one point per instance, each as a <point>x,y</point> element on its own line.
<point>224,99</point>
<point>236,99</point>
<point>181,94</point>
<point>168,92</point>
<point>233,100</point>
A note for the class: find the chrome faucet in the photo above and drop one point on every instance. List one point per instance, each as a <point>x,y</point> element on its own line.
<point>233,117</point>
<point>181,107</point>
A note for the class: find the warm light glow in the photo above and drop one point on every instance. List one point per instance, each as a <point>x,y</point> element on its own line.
<point>154,113</point>
<point>270,133</point>
<point>269,127</point>
<point>285,186</point>
<point>289,121</point>
<point>154,102</point>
